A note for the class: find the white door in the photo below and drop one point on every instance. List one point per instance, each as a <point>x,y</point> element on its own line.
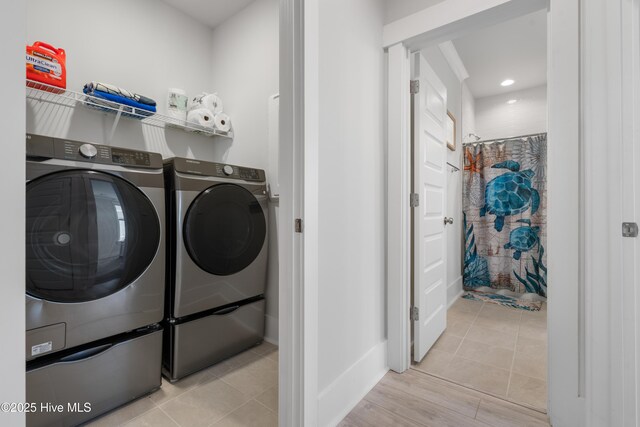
<point>430,183</point>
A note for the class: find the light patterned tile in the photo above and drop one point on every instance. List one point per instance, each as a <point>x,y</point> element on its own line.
<point>204,404</point>
<point>170,390</point>
<point>124,413</point>
<point>498,324</point>
<point>531,345</point>
<point>467,306</point>
<point>274,356</point>
<point>500,312</point>
<point>251,414</point>
<point>447,343</point>
<point>460,316</point>
<point>478,376</point>
<point>253,378</point>
<point>154,418</point>
<point>528,390</point>
<point>492,337</point>
<point>269,398</point>
<point>458,328</point>
<point>533,331</point>
<point>531,363</point>
<point>434,362</point>
<point>494,356</point>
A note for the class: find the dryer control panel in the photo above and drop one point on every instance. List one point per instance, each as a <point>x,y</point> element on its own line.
<point>55,148</point>
<point>219,170</point>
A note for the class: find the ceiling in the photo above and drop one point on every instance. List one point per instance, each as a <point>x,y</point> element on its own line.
<point>209,12</point>
<point>515,49</point>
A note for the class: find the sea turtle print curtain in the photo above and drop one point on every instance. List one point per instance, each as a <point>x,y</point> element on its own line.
<point>505,220</point>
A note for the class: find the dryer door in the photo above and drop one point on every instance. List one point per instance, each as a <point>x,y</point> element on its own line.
<point>88,235</point>
<point>224,229</point>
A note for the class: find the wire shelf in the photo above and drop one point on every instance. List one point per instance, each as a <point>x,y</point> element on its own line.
<point>67,98</point>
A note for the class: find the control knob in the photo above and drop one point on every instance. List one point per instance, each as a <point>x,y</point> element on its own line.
<point>88,151</point>
<point>228,170</point>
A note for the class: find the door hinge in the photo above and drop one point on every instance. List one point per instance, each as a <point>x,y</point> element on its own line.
<point>299,225</point>
<point>629,229</point>
<point>415,86</point>
<point>414,200</point>
<point>414,314</point>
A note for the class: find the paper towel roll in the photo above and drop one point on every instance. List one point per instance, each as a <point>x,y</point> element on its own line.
<point>210,101</point>
<point>202,117</point>
<point>177,105</point>
<point>222,122</point>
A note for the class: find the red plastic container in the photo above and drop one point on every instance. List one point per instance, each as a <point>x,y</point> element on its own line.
<point>46,64</point>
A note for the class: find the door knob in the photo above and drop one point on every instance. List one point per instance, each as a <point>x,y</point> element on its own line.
<point>448,220</point>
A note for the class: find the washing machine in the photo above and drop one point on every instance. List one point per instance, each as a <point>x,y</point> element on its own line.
<point>217,263</point>
<point>95,275</point>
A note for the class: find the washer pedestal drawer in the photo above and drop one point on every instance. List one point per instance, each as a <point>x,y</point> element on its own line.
<point>202,342</point>
<point>81,385</point>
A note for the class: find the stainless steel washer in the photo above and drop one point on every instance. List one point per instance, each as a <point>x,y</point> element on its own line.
<point>94,242</point>
<point>217,258</point>
<point>95,269</point>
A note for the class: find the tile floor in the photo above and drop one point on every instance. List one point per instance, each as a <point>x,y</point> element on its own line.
<point>416,399</point>
<point>493,349</point>
<point>241,391</point>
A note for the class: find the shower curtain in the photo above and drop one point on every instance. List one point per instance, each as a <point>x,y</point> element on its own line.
<point>504,204</point>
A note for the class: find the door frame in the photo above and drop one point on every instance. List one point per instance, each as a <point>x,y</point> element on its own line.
<point>442,22</point>
<point>297,326</point>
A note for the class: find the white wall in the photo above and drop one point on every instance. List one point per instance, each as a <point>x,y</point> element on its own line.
<point>12,122</point>
<point>149,65</point>
<point>497,119</point>
<point>454,179</point>
<point>245,74</point>
<point>244,66</point>
<point>351,251</point>
<point>396,9</point>
<point>468,113</point>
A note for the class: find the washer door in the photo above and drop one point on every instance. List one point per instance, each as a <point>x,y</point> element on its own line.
<point>224,229</point>
<point>88,235</point>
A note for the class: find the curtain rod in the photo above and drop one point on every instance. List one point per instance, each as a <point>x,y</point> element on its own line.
<point>489,141</point>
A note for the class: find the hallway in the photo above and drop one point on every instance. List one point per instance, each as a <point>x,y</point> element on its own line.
<point>416,399</point>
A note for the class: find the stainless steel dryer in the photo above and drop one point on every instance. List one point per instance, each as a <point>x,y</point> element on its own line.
<point>217,263</point>
<point>95,264</point>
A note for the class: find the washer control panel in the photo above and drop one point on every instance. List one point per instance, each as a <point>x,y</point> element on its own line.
<point>130,158</point>
<point>248,174</point>
<point>46,147</point>
<point>219,170</point>
<point>88,151</point>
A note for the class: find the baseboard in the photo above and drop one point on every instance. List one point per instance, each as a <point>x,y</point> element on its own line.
<point>342,395</point>
<point>454,290</point>
<point>271,329</point>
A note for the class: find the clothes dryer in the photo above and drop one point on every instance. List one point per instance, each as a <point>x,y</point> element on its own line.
<point>217,263</point>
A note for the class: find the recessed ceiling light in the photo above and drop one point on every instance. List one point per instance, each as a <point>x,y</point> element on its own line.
<point>507,82</point>
<point>512,101</point>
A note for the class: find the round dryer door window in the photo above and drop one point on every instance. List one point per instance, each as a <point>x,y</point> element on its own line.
<point>89,234</point>
<point>224,229</point>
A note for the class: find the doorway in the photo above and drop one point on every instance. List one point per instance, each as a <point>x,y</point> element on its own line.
<point>494,229</point>
<point>481,307</point>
